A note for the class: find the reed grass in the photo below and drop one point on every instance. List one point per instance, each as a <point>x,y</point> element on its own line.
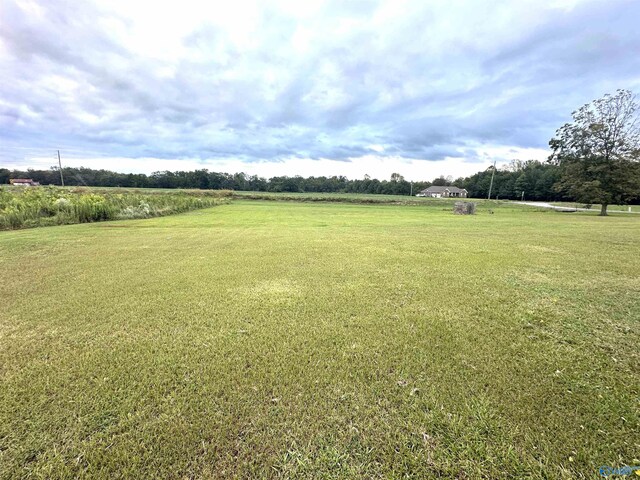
<point>45,206</point>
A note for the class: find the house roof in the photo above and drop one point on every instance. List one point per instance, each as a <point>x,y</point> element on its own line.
<point>22,181</point>
<point>438,189</point>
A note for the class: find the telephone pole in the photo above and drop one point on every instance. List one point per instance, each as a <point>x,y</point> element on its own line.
<point>493,172</point>
<point>60,165</point>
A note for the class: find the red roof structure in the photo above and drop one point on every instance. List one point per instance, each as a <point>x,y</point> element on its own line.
<point>23,181</point>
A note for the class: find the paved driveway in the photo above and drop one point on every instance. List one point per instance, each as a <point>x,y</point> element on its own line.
<point>567,209</point>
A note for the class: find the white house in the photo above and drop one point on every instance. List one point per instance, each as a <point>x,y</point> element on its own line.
<point>444,192</point>
<point>23,182</point>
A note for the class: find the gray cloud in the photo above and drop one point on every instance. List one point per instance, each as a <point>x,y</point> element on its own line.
<point>422,81</point>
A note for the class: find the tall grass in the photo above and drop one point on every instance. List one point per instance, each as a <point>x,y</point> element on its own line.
<point>37,207</point>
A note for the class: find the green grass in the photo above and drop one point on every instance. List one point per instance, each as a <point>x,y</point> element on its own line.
<point>319,340</point>
<point>360,198</point>
<point>328,196</point>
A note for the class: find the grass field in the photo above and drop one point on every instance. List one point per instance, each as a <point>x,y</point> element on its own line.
<point>319,340</point>
<point>340,197</point>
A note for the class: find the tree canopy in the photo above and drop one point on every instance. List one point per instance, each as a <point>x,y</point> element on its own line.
<point>599,152</point>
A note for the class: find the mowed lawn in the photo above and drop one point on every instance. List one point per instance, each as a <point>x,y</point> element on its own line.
<point>300,340</point>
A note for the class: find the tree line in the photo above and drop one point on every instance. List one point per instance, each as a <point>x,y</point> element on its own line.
<point>536,179</point>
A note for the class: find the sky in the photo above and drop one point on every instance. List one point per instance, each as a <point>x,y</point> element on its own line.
<point>291,87</point>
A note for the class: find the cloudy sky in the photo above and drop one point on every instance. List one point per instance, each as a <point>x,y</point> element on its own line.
<point>304,87</point>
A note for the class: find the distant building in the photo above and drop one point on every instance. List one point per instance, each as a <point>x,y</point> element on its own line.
<point>444,192</point>
<point>23,182</point>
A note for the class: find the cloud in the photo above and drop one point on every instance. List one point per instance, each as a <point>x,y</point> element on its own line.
<point>297,82</point>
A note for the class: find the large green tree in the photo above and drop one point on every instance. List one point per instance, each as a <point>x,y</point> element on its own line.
<point>599,151</point>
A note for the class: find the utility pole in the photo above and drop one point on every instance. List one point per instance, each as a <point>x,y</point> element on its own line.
<point>60,165</point>
<point>411,194</point>
<point>491,184</point>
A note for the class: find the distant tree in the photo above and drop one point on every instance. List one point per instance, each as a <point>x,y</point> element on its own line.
<point>396,177</point>
<point>441,181</point>
<point>286,184</point>
<point>257,184</point>
<point>458,182</point>
<point>5,175</point>
<point>599,152</point>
